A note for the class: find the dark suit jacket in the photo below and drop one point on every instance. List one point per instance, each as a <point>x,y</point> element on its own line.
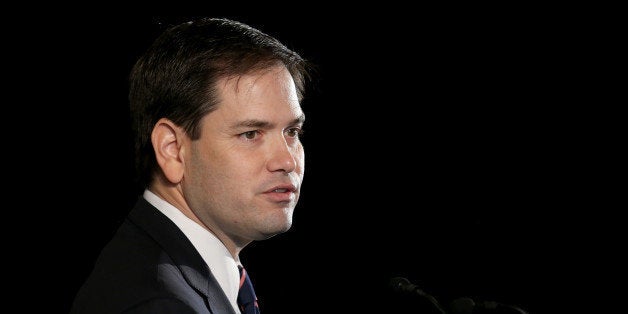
<point>150,267</point>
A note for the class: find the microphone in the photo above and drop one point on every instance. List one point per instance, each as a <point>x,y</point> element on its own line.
<point>466,305</point>
<point>404,286</point>
<point>463,305</point>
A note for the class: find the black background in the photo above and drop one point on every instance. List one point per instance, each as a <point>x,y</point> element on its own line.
<point>440,146</point>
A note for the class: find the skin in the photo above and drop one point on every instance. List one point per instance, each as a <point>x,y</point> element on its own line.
<point>227,180</point>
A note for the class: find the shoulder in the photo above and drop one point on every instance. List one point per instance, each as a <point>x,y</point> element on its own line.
<point>161,305</point>
<point>154,305</point>
<point>133,272</point>
<point>138,288</point>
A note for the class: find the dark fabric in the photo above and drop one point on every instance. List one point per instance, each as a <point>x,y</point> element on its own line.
<point>150,266</point>
<point>247,301</point>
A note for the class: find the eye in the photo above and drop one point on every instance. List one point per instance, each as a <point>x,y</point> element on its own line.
<point>249,135</point>
<point>294,132</point>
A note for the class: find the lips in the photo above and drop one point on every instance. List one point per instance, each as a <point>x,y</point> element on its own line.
<point>282,189</point>
<point>283,194</point>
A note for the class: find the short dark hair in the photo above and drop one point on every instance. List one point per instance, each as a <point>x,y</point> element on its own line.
<point>176,77</point>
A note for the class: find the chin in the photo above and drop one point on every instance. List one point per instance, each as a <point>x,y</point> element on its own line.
<point>275,227</point>
<point>282,227</point>
<point>267,235</point>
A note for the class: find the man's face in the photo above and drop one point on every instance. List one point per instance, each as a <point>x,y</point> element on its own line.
<point>243,176</point>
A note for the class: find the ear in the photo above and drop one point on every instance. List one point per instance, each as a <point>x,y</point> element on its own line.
<point>168,139</point>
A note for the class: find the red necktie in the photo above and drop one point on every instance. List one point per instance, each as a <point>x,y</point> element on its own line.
<point>247,301</point>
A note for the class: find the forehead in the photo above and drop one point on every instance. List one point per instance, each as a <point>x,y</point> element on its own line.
<point>271,87</point>
<point>266,96</point>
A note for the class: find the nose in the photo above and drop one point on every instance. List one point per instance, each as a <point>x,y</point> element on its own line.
<point>282,156</point>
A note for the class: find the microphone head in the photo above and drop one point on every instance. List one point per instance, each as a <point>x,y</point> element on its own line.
<point>403,285</point>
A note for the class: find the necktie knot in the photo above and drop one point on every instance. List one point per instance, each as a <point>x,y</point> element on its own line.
<point>247,301</point>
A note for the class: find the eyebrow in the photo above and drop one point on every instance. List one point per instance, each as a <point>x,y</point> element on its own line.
<point>261,124</point>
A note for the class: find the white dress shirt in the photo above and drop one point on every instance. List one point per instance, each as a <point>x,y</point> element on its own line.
<point>222,265</point>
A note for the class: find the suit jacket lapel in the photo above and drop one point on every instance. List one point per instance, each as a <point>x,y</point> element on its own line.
<point>183,253</point>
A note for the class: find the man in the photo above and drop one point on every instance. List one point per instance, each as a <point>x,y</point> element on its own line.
<point>217,117</point>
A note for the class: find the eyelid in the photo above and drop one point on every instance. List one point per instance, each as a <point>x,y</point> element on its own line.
<point>243,134</point>
<point>296,126</point>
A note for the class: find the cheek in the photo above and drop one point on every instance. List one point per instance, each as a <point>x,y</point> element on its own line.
<point>208,167</point>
